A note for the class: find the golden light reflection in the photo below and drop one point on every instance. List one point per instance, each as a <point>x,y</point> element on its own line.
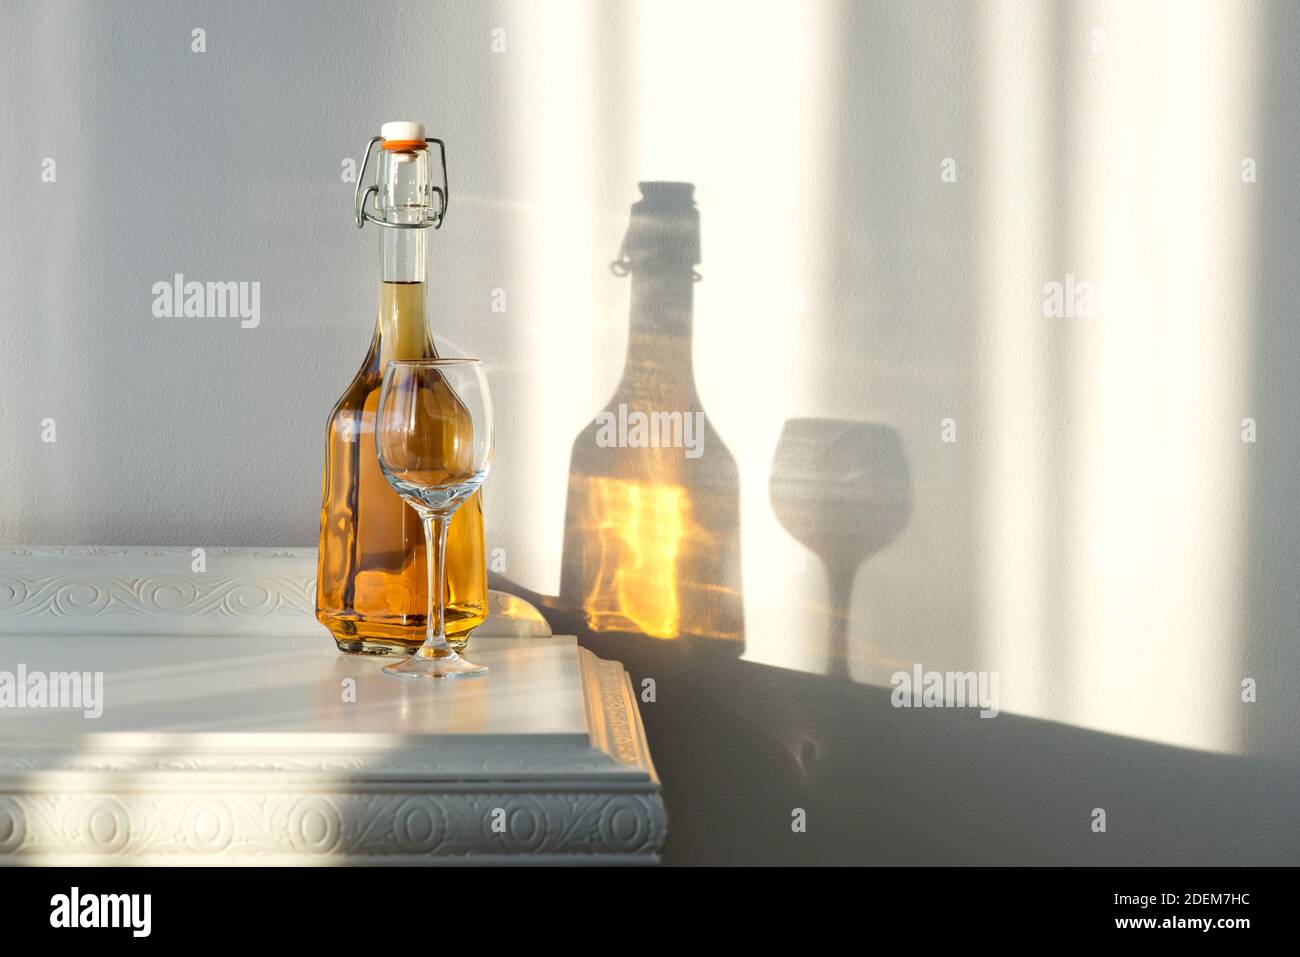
<point>636,531</point>
<point>646,560</point>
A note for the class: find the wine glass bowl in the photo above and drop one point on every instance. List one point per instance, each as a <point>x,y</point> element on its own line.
<point>433,439</point>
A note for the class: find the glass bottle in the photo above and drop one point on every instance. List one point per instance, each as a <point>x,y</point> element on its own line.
<point>371,573</point>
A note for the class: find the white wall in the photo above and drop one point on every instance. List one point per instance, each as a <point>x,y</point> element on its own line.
<point>1098,535</point>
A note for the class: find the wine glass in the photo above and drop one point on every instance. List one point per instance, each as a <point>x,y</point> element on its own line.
<point>433,436</point>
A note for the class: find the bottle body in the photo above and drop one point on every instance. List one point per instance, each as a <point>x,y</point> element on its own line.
<point>371,576</point>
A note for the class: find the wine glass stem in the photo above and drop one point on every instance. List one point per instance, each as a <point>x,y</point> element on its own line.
<point>435,547</point>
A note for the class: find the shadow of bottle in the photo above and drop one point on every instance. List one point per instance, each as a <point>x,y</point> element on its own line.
<point>843,490</point>
<point>652,520</point>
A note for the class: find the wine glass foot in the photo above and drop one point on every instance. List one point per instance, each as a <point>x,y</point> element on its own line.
<point>422,665</point>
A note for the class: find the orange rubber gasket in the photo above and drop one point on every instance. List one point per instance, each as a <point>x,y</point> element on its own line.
<point>403,145</point>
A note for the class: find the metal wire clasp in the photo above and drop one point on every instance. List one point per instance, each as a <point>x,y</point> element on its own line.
<point>434,219</point>
<point>622,266</point>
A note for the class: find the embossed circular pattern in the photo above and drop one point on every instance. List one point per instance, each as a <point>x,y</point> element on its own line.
<point>13,592</point>
<point>104,826</point>
<point>314,825</point>
<point>209,826</point>
<point>13,825</point>
<point>525,821</point>
<point>168,594</point>
<point>79,598</point>
<point>250,599</point>
<point>419,825</point>
<point>624,826</point>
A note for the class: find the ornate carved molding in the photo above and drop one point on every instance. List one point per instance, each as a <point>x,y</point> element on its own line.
<point>115,590</point>
<point>194,595</point>
<point>155,591</point>
<point>612,714</point>
<point>329,826</point>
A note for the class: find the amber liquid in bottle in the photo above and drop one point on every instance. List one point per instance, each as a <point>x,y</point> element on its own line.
<point>370,586</point>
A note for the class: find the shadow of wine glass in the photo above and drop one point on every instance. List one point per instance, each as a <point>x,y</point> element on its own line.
<point>843,490</point>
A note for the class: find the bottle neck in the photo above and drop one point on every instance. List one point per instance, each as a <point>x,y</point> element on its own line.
<point>402,329</point>
<point>402,256</point>
<point>659,367</point>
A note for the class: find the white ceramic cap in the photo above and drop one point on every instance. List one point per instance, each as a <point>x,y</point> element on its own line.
<point>402,130</point>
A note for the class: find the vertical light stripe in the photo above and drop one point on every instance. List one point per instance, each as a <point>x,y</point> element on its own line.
<point>1157,536</point>
<point>1015,203</point>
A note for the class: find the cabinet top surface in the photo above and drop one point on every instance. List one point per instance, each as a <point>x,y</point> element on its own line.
<point>216,690</point>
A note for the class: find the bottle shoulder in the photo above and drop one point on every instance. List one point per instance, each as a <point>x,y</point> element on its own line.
<point>365,381</point>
